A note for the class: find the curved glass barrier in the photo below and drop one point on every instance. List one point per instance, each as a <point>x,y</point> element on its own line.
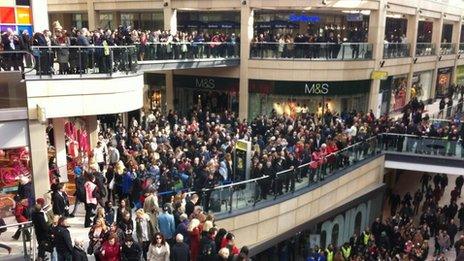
<point>273,185</point>
<point>17,61</point>
<point>186,50</point>
<point>311,51</point>
<point>425,49</point>
<point>447,146</point>
<point>447,48</point>
<point>396,50</point>
<point>84,60</point>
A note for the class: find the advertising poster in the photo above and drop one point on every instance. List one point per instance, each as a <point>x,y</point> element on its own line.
<point>443,82</point>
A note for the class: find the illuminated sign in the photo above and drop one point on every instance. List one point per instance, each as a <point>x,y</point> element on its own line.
<point>304,18</point>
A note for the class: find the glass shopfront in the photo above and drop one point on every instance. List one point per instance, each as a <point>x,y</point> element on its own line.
<point>349,26</point>
<point>212,22</point>
<point>393,93</point>
<point>421,85</point>
<point>142,20</point>
<point>443,82</point>
<point>156,95</point>
<point>14,161</point>
<point>294,98</point>
<point>215,94</point>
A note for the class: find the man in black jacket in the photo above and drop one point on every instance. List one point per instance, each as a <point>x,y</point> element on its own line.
<point>60,201</point>
<point>41,228</point>
<point>180,250</point>
<point>62,239</point>
<point>80,192</point>
<point>131,251</point>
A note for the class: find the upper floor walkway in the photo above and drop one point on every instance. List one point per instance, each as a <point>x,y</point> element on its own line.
<point>264,210</point>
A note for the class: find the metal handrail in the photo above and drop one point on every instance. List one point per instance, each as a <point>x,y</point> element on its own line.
<point>83,47</point>
<point>17,224</point>
<point>287,170</point>
<point>33,61</point>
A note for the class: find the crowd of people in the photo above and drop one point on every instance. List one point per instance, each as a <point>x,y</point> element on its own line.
<point>326,45</point>
<point>145,187</point>
<point>415,219</point>
<point>108,50</point>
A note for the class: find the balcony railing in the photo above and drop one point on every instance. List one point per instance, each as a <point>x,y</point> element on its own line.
<point>17,61</point>
<point>425,49</point>
<point>245,194</point>
<point>461,49</point>
<point>187,50</point>
<point>311,51</point>
<point>447,48</point>
<point>239,196</point>
<point>396,50</point>
<point>84,60</point>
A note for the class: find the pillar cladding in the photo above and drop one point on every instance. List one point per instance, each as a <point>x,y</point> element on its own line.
<point>246,32</point>
<point>169,91</point>
<point>376,36</point>
<point>170,17</point>
<point>39,156</point>
<point>92,130</point>
<point>39,15</point>
<point>60,148</point>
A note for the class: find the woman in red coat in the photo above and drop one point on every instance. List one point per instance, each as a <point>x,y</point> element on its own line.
<point>110,250</point>
<point>194,230</point>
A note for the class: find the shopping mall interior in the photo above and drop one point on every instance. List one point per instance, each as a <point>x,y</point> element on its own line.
<point>231,130</point>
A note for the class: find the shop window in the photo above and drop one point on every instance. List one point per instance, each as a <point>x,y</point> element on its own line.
<point>447,33</point>
<point>106,21</point>
<point>357,223</point>
<point>335,232</point>
<point>14,163</point>
<point>127,19</point>
<point>424,32</point>
<point>80,21</point>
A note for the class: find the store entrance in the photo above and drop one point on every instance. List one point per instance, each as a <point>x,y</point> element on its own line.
<point>214,101</point>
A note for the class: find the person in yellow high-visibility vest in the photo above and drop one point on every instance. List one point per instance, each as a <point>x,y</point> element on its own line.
<point>366,237</point>
<point>329,253</point>
<point>346,251</point>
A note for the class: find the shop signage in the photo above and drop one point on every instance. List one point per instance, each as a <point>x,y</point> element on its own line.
<point>379,75</point>
<point>317,88</point>
<point>304,18</point>
<point>206,83</point>
<point>443,81</point>
<point>310,88</point>
<point>354,17</point>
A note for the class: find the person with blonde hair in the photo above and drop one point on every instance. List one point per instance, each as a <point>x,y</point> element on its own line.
<point>194,230</point>
<point>98,233</point>
<point>143,230</point>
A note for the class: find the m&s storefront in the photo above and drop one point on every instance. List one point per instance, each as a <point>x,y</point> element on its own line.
<point>293,98</point>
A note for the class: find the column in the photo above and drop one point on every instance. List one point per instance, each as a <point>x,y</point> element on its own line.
<point>60,148</point>
<point>39,156</point>
<point>413,26</point>
<point>376,37</point>
<point>246,33</point>
<point>455,39</point>
<point>170,17</point>
<point>92,130</point>
<point>169,91</point>
<point>436,40</point>
<point>39,15</point>
<point>91,15</point>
